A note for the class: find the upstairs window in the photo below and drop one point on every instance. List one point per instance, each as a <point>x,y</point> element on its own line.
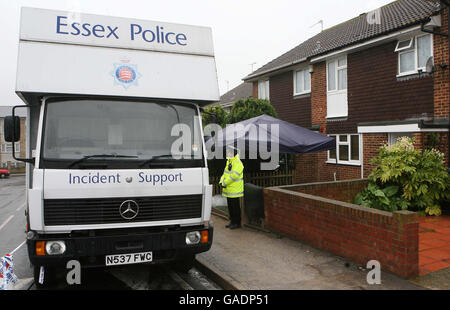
<point>414,53</point>
<point>404,45</point>
<point>337,105</point>
<point>263,89</point>
<point>337,74</point>
<point>302,82</point>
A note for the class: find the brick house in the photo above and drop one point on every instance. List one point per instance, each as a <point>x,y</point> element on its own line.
<point>365,82</point>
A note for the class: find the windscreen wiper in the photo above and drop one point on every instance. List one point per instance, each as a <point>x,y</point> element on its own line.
<point>98,156</point>
<point>148,161</point>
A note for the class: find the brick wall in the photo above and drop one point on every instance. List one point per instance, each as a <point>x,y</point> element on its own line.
<point>356,233</point>
<point>293,110</point>
<point>255,89</point>
<point>372,142</point>
<point>344,191</point>
<point>305,168</point>
<point>319,95</point>
<point>441,76</point>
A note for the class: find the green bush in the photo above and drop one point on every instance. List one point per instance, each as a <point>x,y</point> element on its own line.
<point>219,112</point>
<point>247,108</point>
<point>406,178</point>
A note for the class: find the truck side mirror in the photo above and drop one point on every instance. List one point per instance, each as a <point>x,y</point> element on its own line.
<point>11,128</point>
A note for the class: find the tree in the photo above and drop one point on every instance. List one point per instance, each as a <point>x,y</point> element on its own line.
<point>247,108</point>
<point>220,113</point>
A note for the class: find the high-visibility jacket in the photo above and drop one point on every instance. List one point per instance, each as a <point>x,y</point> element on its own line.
<point>233,178</point>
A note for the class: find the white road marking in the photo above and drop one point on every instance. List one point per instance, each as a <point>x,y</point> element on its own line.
<point>18,247</point>
<point>18,209</point>
<point>6,221</point>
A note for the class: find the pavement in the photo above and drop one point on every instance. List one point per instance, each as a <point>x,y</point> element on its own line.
<point>252,259</point>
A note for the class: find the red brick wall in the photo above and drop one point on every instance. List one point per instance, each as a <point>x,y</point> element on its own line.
<point>342,191</point>
<point>372,142</point>
<point>441,76</point>
<point>319,96</point>
<point>255,90</point>
<point>305,168</point>
<point>354,232</point>
<point>296,111</point>
<point>313,168</point>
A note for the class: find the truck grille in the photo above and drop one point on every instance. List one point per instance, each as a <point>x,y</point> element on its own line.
<point>106,210</point>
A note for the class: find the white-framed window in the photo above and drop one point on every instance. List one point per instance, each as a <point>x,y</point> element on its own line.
<point>337,105</point>
<point>7,147</point>
<point>394,136</point>
<point>263,89</point>
<point>337,74</point>
<point>413,54</point>
<point>348,149</point>
<point>302,82</point>
<point>4,165</point>
<point>404,44</point>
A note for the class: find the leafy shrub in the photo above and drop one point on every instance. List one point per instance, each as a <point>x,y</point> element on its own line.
<point>406,178</point>
<point>247,108</point>
<point>219,112</point>
<point>388,198</point>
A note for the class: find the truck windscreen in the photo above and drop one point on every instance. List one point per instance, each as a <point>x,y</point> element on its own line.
<point>118,134</point>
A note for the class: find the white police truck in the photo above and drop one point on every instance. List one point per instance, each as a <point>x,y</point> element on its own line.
<point>116,162</point>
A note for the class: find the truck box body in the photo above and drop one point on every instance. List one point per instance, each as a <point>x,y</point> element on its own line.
<point>114,90</point>
<point>52,60</point>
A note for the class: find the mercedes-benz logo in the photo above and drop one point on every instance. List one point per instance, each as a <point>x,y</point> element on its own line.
<point>129,209</point>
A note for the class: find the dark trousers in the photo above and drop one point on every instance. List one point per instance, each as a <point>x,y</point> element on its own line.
<point>234,209</point>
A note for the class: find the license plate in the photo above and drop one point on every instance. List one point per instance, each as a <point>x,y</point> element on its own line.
<point>132,258</point>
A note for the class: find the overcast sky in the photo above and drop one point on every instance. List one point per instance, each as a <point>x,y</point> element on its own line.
<point>244,31</point>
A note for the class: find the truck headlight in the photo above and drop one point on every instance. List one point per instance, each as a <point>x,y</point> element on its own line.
<point>55,247</point>
<point>193,237</point>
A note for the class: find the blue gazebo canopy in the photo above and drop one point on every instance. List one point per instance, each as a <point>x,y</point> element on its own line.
<point>292,139</point>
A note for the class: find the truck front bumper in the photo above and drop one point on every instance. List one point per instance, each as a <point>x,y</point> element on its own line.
<point>90,250</point>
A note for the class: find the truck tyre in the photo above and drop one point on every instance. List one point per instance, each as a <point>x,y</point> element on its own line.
<point>49,277</point>
<point>185,264</point>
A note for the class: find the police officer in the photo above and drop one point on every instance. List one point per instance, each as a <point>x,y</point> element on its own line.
<point>232,182</point>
